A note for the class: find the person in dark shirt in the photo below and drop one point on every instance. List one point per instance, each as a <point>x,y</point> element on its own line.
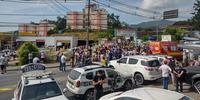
<point>180,74</point>
<point>98,82</point>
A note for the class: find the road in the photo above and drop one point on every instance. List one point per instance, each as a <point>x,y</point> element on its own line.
<point>9,81</point>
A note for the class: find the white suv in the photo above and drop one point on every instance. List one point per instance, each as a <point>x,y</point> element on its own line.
<point>140,67</point>
<point>37,84</point>
<point>79,81</point>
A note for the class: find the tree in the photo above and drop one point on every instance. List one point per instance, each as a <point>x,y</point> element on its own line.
<point>195,21</point>
<point>113,22</point>
<point>177,33</point>
<point>60,25</point>
<point>24,50</point>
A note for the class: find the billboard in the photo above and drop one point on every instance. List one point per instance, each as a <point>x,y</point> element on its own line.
<point>166,38</point>
<point>170,14</point>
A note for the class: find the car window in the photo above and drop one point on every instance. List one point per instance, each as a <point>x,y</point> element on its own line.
<point>152,63</point>
<point>123,60</point>
<point>74,74</point>
<point>90,75</point>
<point>103,73</point>
<point>41,91</point>
<point>133,61</point>
<point>111,73</point>
<point>126,98</point>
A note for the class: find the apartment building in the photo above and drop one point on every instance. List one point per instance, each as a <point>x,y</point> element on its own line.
<point>33,29</point>
<point>79,20</point>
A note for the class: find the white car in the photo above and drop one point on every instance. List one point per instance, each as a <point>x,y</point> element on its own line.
<point>37,84</point>
<point>161,57</point>
<point>140,67</point>
<point>79,81</point>
<point>146,94</point>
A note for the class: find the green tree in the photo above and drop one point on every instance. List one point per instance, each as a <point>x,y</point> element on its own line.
<point>195,21</point>
<point>24,50</point>
<point>113,22</point>
<point>177,33</point>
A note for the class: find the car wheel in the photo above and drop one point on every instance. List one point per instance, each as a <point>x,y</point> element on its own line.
<point>197,85</point>
<point>89,95</point>
<point>139,79</point>
<point>128,85</point>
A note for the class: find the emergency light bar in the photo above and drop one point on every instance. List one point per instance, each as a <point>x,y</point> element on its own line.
<point>36,74</point>
<point>32,67</point>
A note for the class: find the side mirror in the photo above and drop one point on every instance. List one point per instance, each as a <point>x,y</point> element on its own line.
<point>64,90</point>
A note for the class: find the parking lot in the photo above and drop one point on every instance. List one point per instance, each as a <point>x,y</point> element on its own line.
<point>9,81</point>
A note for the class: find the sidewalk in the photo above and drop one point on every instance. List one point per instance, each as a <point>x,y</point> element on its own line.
<point>53,65</point>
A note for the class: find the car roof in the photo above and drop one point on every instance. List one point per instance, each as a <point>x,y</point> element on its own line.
<point>36,77</point>
<point>153,94</point>
<point>146,58</point>
<point>89,68</point>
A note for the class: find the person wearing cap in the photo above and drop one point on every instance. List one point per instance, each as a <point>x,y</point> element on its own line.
<point>165,73</point>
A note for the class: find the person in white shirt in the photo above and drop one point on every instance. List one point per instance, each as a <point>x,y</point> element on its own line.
<point>36,60</point>
<point>63,62</point>
<point>165,73</point>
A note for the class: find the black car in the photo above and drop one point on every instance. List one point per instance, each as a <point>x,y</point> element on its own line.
<point>192,77</point>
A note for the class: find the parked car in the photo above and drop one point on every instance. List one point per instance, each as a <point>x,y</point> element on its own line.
<point>146,93</point>
<point>192,77</point>
<point>140,67</point>
<point>37,84</point>
<point>79,81</point>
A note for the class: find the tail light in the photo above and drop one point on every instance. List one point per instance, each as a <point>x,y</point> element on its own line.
<point>78,83</point>
<point>148,69</point>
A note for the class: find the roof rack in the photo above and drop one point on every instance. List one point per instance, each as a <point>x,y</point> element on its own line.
<point>96,68</point>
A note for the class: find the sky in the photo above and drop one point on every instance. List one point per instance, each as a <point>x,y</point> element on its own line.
<point>46,7</point>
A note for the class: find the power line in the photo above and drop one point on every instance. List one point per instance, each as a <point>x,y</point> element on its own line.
<point>39,1</point>
<point>62,5</point>
<point>135,7</point>
<point>135,14</point>
<point>31,15</point>
<point>52,7</point>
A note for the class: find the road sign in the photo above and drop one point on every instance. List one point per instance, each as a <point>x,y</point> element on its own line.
<point>166,38</point>
<point>170,14</point>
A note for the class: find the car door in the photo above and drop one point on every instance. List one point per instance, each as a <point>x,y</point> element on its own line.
<point>121,65</point>
<point>114,80</point>
<point>132,66</point>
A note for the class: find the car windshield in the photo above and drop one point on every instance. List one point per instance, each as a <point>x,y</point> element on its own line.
<point>41,91</point>
<point>74,74</point>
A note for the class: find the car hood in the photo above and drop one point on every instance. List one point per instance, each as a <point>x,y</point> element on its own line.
<point>62,97</point>
<point>106,97</point>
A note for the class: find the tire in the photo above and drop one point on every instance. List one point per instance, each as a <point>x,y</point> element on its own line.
<point>128,85</point>
<point>89,95</point>
<point>139,79</point>
<point>197,85</point>
<point>110,66</point>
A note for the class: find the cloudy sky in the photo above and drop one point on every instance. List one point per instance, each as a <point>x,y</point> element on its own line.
<point>51,7</point>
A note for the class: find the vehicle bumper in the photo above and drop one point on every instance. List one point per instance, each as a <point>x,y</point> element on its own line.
<point>152,77</point>
<point>74,90</point>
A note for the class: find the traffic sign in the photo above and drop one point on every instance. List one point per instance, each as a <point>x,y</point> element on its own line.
<point>170,14</point>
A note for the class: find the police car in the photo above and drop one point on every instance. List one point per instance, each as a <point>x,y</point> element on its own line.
<point>79,81</point>
<point>37,84</point>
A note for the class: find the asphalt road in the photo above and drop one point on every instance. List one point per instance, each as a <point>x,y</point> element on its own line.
<point>9,81</point>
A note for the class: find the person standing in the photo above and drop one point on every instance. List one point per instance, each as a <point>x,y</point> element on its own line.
<point>42,56</point>
<point>2,64</point>
<point>165,73</point>
<point>63,62</point>
<point>172,65</point>
<point>98,81</point>
<point>30,57</point>
<point>180,74</point>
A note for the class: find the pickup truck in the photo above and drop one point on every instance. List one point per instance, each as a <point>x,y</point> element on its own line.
<point>192,77</point>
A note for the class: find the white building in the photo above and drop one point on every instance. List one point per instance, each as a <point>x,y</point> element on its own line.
<point>50,41</point>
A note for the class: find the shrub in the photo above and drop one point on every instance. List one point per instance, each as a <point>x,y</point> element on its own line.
<point>24,50</point>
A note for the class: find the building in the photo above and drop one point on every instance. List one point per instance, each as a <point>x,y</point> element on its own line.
<point>79,20</point>
<point>51,41</point>
<point>35,29</point>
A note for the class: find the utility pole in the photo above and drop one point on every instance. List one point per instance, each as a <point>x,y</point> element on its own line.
<point>88,23</point>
